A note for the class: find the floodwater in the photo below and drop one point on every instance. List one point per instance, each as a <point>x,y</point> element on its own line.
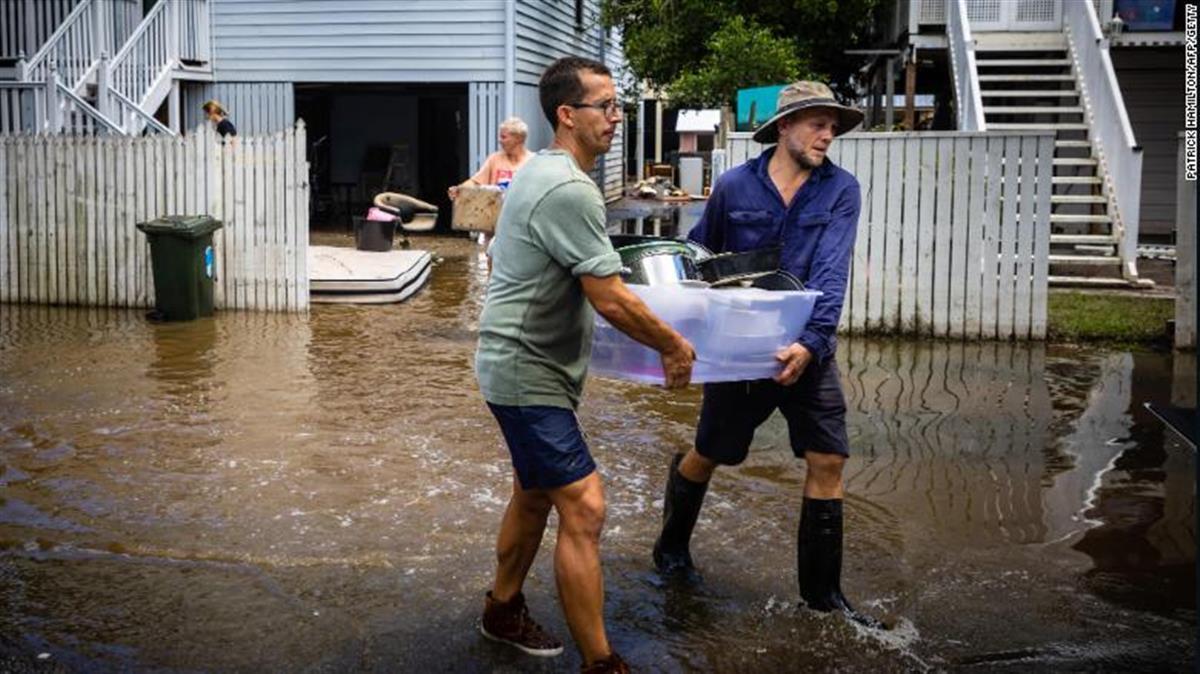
<point>322,492</point>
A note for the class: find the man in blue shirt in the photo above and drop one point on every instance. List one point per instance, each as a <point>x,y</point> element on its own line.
<point>790,196</point>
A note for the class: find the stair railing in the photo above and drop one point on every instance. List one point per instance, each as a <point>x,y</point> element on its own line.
<point>147,54</point>
<point>66,112</point>
<point>74,47</point>
<point>130,116</point>
<point>1119,155</point>
<point>968,101</point>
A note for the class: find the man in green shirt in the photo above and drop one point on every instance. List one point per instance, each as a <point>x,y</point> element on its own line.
<point>552,264</point>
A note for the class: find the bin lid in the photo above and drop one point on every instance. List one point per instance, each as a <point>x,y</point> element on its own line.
<point>186,226</point>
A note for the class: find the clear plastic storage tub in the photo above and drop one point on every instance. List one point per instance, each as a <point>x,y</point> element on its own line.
<point>736,332</point>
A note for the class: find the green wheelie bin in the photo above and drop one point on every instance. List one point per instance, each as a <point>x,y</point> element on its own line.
<point>181,255</point>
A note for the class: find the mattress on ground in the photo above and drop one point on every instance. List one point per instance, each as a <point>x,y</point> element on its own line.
<point>346,270</point>
<point>373,297</point>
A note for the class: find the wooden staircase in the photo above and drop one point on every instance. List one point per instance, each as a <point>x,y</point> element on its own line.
<point>94,74</point>
<point>1027,83</point>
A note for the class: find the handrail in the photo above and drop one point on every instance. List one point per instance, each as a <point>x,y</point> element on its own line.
<point>87,109</point>
<point>149,52</point>
<point>81,52</point>
<point>138,112</point>
<point>968,99</point>
<point>1108,124</point>
<point>134,37</point>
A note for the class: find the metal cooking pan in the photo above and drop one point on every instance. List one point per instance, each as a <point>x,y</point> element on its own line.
<point>730,268</point>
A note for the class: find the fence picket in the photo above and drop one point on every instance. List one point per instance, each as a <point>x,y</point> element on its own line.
<point>878,229</point>
<point>1041,239</point>
<point>857,307</point>
<point>1026,221</point>
<point>41,225</point>
<point>958,237</point>
<point>975,233</point>
<point>288,216</point>
<point>925,239</point>
<point>270,186</point>
<point>991,225</point>
<point>259,215</point>
<point>302,213</point>
<point>942,229</point>
<point>909,237</point>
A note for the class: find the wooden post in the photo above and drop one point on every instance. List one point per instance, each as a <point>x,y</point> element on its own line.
<point>103,102</point>
<point>173,108</point>
<point>99,28</point>
<point>658,130</point>
<point>889,110</point>
<point>910,91</point>
<point>172,22</point>
<point>53,109</point>
<point>31,42</point>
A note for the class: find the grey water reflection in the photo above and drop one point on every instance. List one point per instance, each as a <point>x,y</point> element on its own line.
<point>259,492</point>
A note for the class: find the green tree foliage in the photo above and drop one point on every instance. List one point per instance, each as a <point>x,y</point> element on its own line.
<point>702,51</point>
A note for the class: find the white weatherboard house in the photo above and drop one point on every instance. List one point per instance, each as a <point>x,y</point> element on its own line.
<point>1110,90</point>
<point>407,92</point>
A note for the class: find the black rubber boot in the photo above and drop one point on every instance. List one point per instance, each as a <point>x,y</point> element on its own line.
<point>819,560</point>
<point>681,508</point>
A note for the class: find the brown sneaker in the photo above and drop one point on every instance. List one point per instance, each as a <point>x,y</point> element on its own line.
<point>509,623</point>
<point>613,664</point>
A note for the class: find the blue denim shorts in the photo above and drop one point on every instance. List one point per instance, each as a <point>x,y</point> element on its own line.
<point>547,446</point>
<point>814,407</point>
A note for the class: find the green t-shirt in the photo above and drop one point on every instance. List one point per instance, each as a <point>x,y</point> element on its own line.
<point>535,334</point>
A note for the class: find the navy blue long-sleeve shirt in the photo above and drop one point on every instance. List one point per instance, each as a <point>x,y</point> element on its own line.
<point>816,231</point>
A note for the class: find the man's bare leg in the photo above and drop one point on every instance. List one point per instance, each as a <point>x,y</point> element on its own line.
<point>696,468</point>
<point>824,476</point>
<point>520,537</point>
<point>580,507</point>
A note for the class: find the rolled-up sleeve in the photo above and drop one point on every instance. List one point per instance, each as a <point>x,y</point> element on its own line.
<point>829,273</point>
<point>569,224</point>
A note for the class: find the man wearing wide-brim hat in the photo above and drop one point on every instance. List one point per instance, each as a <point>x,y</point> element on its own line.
<point>790,196</point>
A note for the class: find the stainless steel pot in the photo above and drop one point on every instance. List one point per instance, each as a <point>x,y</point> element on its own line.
<point>658,263</point>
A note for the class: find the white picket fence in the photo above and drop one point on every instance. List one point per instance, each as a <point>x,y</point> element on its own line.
<point>69,206</point>
<point>954,232</point>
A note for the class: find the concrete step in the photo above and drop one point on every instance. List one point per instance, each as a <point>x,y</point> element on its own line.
<point>1022,63</point>
<point>1086,239</point>
<point>1065,219</point>
<point>1029,93</point>
<point>1086,260</point>
<point>1074,180</point>
<point>1096,282</point>
<point>1033,126</point>
<point>1026,78</point>
<point>1078,199</point>
<point>1033,110</point>
<point>1075,161</point>
<point>1073,143</point>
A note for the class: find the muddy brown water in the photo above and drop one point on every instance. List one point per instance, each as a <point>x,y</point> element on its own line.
<point>321,492</point>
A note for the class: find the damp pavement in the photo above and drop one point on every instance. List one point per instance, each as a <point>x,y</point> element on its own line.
<point>321,493</point>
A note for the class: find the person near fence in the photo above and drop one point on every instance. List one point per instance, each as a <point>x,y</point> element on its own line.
<point>554,263</point>
<point>217,114</point>
<point>790,196</point>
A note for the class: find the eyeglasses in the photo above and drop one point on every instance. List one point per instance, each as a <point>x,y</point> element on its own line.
<point>609,107</point>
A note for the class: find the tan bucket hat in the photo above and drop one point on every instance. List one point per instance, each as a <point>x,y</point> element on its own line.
<point>801,96</point>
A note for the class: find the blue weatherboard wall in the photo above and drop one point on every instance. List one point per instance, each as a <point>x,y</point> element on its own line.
<point>760,101</point>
